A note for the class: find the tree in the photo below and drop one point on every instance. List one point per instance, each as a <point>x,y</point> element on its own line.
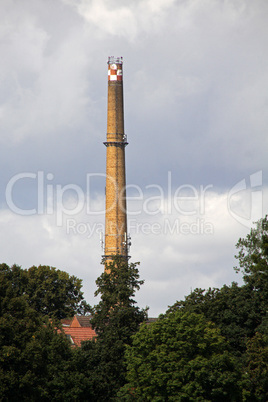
<point>115,319</point>
<point>35,360</point>
<point>180,357</point>
<point>117,286</point>
<point>253,257</point>
<point>237,311</point>
<point>241,313</point>
<point>255,377</point>
<point>51,292</point>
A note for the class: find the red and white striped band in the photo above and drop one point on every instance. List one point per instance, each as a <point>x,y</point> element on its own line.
<point>115,72</point>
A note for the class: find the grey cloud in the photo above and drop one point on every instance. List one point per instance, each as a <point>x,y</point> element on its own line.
<point>195,78</point>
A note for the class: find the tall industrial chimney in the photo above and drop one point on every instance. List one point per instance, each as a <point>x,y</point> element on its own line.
<point>116,240</point>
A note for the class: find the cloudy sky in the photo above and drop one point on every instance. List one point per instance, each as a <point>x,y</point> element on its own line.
<point>196,117</point>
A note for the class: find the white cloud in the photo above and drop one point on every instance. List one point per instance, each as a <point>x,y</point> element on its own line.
<point>121,20</point>
<point>178,252</point>
<point>113,20</point>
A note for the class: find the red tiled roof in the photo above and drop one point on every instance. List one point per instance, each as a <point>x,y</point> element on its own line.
<point>79,328</point>
<point>80,334</point>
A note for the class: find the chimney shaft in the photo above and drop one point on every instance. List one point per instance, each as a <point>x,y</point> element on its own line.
<point>116,239</point>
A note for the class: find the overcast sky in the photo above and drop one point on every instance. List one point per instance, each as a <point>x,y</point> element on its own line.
<point>196,118</point>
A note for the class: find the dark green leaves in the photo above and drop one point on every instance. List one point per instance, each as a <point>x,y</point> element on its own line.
<point>253,254</point>
<point>181,357</point>
<point>36,361</point>
<point>115,319</point>
<point>50,292</point>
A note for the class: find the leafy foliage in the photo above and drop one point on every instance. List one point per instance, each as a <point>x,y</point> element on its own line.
<point>117,286</point>
<point>115,319</point>
<point>253,254</point>
<point>35,360</point>
<point>255,378</point>
<point>241,313</point>
<point>237,311</point>
<point>180,357</point>
<point>51,292</point>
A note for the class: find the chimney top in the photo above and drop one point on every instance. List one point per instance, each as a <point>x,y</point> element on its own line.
<point>115,60</point>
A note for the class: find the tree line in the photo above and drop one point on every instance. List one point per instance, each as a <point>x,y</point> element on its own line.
<point>212,346</point>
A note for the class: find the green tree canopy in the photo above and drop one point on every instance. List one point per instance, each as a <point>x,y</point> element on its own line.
<point>180,357</point>
<point>51,292</point>
<point>255,376</point>
<point>115,319</point>
<point>253,256</point>
<point>117,308</point>
<point>36,362</point>
<point>237,311</point>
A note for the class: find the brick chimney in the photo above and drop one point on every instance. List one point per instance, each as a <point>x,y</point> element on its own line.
<point>116,241</point>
